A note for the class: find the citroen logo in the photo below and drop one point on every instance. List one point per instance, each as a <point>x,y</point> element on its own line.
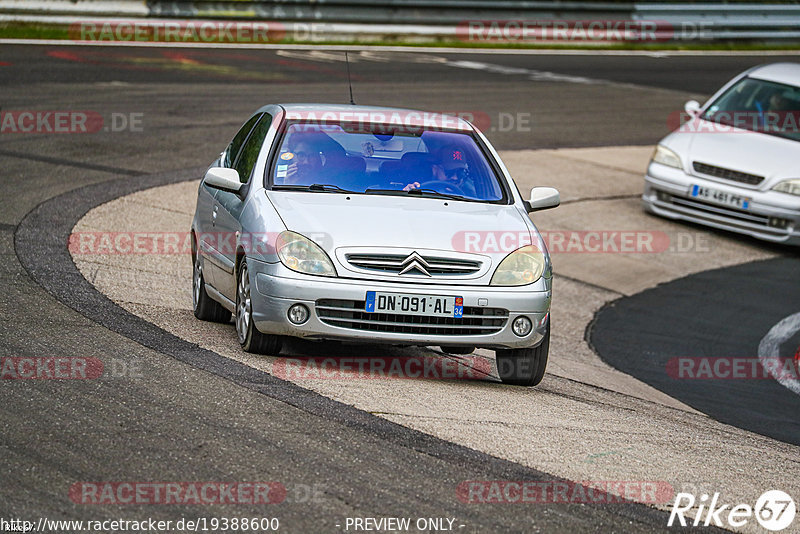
<point>415,262</point>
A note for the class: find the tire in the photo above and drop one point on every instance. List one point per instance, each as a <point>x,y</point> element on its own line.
<point>250,338</point>
<point>205,308</point>
<point>524,367</point>
<point>457,350</point>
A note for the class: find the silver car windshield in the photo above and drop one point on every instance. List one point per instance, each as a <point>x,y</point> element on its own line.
<point>759,106</point>
<point>379,159</point>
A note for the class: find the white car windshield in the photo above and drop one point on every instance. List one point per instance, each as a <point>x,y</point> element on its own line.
<point>759,106</point>
<point>380,159</point>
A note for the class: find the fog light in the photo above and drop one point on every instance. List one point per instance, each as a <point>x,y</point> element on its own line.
<point>663,197</point>
<point>778,222</point>
<point>522,326</point>
<point>298,314</point>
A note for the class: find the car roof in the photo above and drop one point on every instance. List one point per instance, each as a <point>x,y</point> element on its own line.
<point>375,115</point>
<point>786,73</point>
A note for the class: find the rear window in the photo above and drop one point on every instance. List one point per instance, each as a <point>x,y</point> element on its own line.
<point>379,159</point>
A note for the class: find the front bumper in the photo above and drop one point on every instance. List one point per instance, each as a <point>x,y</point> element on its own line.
<point>772,216</point>
<point>277,289</point>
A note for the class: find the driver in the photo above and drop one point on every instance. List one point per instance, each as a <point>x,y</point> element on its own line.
<point>775,114</point>
<point>778,102</point>
<point>449,174</point>
<point>453,170</point>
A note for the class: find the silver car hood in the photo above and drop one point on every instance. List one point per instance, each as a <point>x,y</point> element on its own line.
<point>741,150</point>
<point>382,220</point>
<point>392,224</point>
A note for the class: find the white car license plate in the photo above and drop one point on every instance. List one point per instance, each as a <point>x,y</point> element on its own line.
<point>413,304</point>
<point>720,197</point>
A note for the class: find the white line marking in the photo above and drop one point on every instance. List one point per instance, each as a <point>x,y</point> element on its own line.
<point>492,68</point>
<point>534,75</point>
<point>770,345</point>
<point>406,49</point>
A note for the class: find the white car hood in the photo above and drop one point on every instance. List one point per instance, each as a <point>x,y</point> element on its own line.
<point>740,150</point>
<point>394,221</point>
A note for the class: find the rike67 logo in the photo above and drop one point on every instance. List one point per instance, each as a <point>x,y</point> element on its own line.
<point>774,510</point>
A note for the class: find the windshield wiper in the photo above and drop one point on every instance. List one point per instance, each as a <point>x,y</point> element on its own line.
<point>383,191</point>
<point>418,192</point>
<point>423,191</point>
<point>325,188</point>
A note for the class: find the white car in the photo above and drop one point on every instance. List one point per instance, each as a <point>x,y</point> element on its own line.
<point>372,224</point>
<point>734,164</point>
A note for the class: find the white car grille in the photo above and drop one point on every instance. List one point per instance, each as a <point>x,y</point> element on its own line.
<point>727,174</point>
<point>413,264</point>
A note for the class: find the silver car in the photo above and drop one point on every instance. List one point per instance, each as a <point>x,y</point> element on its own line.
<point>733,165</point>
<point>334,222</point>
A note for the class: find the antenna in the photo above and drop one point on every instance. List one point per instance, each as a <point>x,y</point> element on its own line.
<point>349,82</point>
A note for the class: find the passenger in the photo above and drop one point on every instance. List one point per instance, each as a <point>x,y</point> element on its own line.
<point>305,166</point>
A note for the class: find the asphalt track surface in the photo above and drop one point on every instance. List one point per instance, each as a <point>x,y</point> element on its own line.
<point>197,416</point>
<point>701,316</point>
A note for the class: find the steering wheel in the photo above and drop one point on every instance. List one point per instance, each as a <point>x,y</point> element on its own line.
<point>443,187</point>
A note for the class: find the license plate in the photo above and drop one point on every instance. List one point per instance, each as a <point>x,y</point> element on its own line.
<point>414,304</point>
<point>720,197</point>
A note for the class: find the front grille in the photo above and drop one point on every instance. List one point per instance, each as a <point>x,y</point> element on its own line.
<point>351,314</point>
<point>727,174</point>
<point>394,264</point>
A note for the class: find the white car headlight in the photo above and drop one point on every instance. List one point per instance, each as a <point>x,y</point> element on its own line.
<point>789,186</point>
<point>301,254</point>
<point>521,267</point>
<point>667,157</point>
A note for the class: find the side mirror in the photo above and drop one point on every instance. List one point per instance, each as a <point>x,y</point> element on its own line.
<point>692,107</point>
<point>543,198</point>
<point>223,178</point>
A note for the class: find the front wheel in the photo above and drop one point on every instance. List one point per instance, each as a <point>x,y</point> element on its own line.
<point>524,367</point>
<point>250,338</point>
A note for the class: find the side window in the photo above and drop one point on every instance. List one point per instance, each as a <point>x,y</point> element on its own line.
<point>249,154</point>
<point>238,140</point>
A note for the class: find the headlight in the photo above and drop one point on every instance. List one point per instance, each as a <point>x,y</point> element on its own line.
<point>789,186</point>
<point>301,254</point>
<point>667,157</point>
<point>521,267</point>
